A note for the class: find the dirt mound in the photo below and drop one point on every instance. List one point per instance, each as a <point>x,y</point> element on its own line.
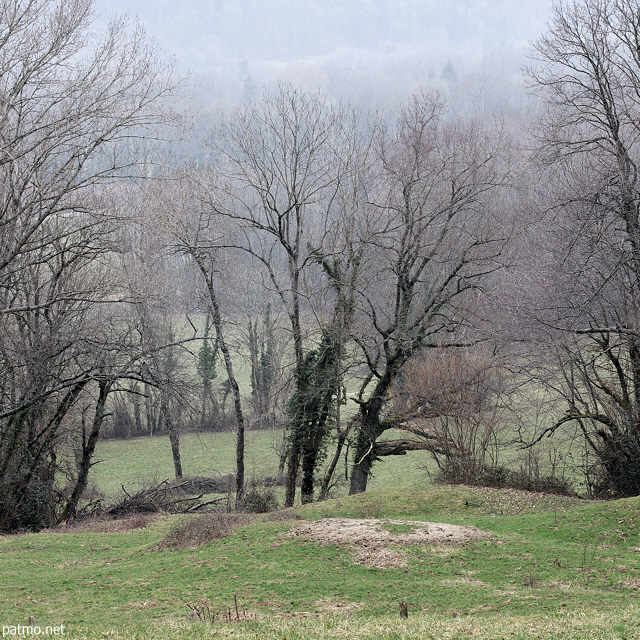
<point>378,543</point>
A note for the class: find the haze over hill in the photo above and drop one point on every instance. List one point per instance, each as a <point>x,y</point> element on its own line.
<point>258,41</point>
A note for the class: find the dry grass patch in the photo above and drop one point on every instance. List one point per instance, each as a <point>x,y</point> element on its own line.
<point>145,604</point>
<point>452,582</point>
<point>338,607</point>
<point>565,586</point>
<point>101,524</point>
<point>196,531</point>
<point>378,543</point>
<point>515,501</point>
<point>585,624</point>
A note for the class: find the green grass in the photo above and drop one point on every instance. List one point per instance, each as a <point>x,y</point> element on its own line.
<point>551,568</point>
<point>140,461</point>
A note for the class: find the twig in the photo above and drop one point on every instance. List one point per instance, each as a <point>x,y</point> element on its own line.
<point>195,507</point>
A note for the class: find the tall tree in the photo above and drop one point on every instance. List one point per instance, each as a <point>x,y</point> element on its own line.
<point>589,77</point>
<point>281,165</point>
<point>187,229</point>
<point>438,241</point>
<point>72,113</point>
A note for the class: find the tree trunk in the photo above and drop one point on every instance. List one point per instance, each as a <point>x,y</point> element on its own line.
<point>235,390</point>
<point>326,482</point>
<point>360,472</point>
<point>205,392</point>
<point>283,456</point>
<point>137,416</point>
<point>310,452</point>
<point>292,474</point>
<point>174,436</point>
<point>88,449</point>
<point>293,465</point>
<point>174,439</point>
<point>150,413</point>
<point>370,431</point>
<point>309,457</point>
<point>233,384</point>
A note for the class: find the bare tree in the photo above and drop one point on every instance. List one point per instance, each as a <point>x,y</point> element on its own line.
<point>456,402</point>
<point>188,230</point>
<point>284,165</point>
<point>70,115</point>
<point>438,242</point>
<point>589,75</point>
<point>72,112</point>
<point>52,351</point>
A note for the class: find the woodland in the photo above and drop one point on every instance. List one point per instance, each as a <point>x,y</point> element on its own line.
<point>363,282</point>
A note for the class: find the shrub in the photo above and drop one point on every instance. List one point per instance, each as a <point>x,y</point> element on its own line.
<point>500,477</point>
<point>195,531</point>
<point>259,499</point>
<point>617,473</point>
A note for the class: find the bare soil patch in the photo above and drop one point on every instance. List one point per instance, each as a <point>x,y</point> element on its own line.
<point>378,543</point>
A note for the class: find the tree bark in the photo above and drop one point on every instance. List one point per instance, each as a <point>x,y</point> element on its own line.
<point>360,472</point>
<point>174,436</point>
<point>293,464</point>
<point>88,449</point>
<point>370,431</point>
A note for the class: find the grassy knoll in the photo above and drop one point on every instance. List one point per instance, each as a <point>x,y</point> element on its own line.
<point>546,567</point>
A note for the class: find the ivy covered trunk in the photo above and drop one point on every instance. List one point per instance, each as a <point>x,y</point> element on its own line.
<point>312,404</point>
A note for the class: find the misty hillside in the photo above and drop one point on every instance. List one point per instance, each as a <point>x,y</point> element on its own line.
<point>204,35</point>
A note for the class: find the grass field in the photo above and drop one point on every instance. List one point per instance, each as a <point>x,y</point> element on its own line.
<point>545,567</point>
<point>141,461</point>
<point>541,566</point>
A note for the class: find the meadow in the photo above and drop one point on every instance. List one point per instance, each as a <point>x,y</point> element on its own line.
<point>140,462</point>
<point>540,566</point>
<point>535,565</point>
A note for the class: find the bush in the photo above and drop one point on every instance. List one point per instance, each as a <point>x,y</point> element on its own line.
<point>27,504</point>
<point>196,531</point>
<point>259,499</point>
<point>617,473</point>
<point>453,472</point>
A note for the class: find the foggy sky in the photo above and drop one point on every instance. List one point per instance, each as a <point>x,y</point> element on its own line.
<point>210,35</point>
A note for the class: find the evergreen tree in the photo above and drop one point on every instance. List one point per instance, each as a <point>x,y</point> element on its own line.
<point>262,354</point>
<point>206,368</point>
<point>448,73</point>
